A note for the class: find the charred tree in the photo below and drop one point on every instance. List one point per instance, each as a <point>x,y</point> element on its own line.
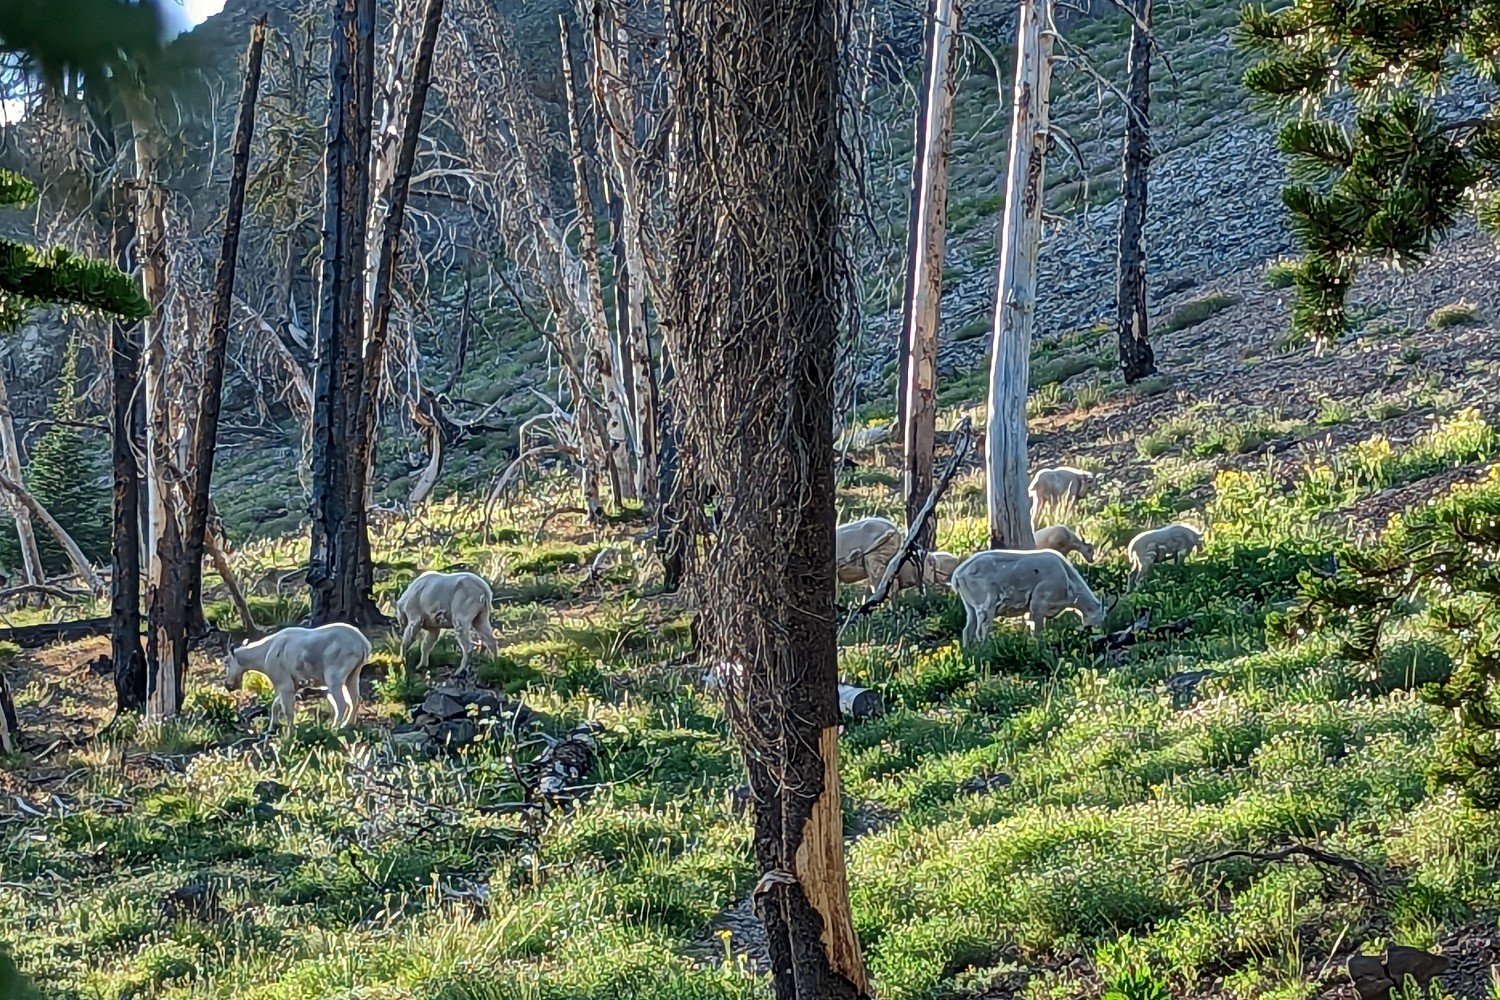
<point>1137,360</point>
<point>1015,303</point>
<point>752,313</point>
<point>206,431</point>
<point>340,565</point>
<point>925,268</point>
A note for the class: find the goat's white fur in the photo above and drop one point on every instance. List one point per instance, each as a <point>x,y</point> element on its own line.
<point>1038,584</point>
<point>1148,548</point>
<point>435,601</point>
<point>1063,539</point>
<point>294,657</point>
<point>1058,487</point>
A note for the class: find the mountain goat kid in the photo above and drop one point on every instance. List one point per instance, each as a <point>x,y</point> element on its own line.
<point>1038,584</point>
<point>295,657</point>
<point>1062,539</point>
<point>1148,548</point>
<point>864,548</point>
<point>435,601</point>
<point>1058,487</point>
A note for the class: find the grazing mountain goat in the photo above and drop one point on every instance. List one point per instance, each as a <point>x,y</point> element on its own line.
<point>333,654</point>
<point>1148,548</point>
<point>864,549</point>
<point>1057,487</point>
<point>435,601</point>
<point>1061,538</point>
<point>1036,583</point>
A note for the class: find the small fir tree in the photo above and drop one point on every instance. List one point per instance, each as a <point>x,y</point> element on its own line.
<point>65,476</point>
<point>1411,164</point>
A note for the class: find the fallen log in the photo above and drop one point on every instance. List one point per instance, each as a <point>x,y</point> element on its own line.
<point>46,633</point>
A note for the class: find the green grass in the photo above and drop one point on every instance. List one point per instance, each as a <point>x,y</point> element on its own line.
<point>1196,311</point>
<point>1453,314</point>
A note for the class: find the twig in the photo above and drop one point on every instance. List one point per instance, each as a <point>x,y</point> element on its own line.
<point>963,440</point>
<point>1355,868</point>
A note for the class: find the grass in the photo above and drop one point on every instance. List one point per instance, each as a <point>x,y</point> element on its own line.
<point>375,872</point>
<point>1196,311</point>
<point>1453,314</point>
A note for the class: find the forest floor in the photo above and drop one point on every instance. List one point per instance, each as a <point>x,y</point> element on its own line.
<point>1024,821</point>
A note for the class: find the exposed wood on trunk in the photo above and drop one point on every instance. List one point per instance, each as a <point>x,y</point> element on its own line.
<point>925,274</point>
<point>390,245</point>
<point>1015,303</point>
<point>31,557</point>
<point>339,564</point>
<point>206,428</point>
<point>427,416</point>
<point>751,318</point>
<point>76,558</point>
<point>167,618</point>
<point>1137,360</point>
<point>600,365</point>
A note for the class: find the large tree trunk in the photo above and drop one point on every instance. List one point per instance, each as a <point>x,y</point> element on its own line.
<point>126,412</point>
<point>601,360</point>
<point>925,273</point>
<point>1137,360</point>
<point>31,558</point>
<point>200,467</point>
<point>339,563</point>
<point>166,594</point>
<point>752,320</point>
<point>1015,304</point>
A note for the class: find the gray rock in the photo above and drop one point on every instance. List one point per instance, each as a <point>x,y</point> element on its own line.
<point>442,705</point>
<point>270,791</point>
<point>455,733</point>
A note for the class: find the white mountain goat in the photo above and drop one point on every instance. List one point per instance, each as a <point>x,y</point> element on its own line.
<point>435,601</point>
<point>294,657</point>
<point>1059,487</point>
<point>1036,583</point>
<point>1148,548</point>
<point>1063,539</point>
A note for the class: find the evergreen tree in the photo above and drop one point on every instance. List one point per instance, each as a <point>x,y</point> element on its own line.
<point>1410,166</point>
<point>65,475</point>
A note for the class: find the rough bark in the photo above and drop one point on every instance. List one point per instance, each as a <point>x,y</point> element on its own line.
<point>672,534</point>
<point>200,467</point>
<point>8,724</point>
<point>913,236</point>
<point>339,563</point>
<point>925,275</point>
<point>1015,305</point>
<point>751,321</point>
<point>31,558</point>
<point>601,361</point>
<point>1137,360</point>
<point>126,415</point>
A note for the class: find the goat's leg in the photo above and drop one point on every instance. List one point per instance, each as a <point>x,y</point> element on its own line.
<point>429,639</point>
<point>351,693</point>
<point>286,700</point>
<point>465,645</point>
<point>336,699</point>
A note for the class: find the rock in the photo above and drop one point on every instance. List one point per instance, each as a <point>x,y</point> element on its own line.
<point>983,783</point>
<point>264,812</point>
<point>411,739</point>
<point>442,705</point>
<point>1184,685</point>
<point>1377,978</point>
<point>455,733</point>
<point>859,703</point>
<point>270,791</point>
<point>193,901</point>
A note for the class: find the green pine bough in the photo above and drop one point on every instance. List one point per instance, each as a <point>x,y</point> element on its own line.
<point>1387,187</point>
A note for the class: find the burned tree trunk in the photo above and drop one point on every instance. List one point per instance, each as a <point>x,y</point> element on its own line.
<point>925,271</point>
<point>752,316</point>
<point>1015,302</point>
<point>1137,360</point>
<point>126,415</point>
<point>339,564</point>
<point>206,432</point>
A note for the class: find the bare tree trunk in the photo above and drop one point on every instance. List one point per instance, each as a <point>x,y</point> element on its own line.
<point>126,409</point>
<point>166,581</point>
<point>1015,305</point>
<point>1137,360</point>
<point>600,355</point>
<point>751,321</point>
<point>340,563</point>
<point>925,274</point>
<point>205,438</point>
<point>31,558</point>
<point>428,417</point>
<point>390,245</point>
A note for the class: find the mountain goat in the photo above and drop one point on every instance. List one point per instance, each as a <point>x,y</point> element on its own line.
<point>1148,548</point>
<point>295,657</point>
<point>435,601</point>
<point>1063,485</point>
<point>1061,538</point>
<point>1038,584</point>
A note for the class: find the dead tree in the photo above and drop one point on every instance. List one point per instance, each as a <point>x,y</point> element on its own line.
<point>10,451</point>
<point>1137,360</point>
<point>1015,305</point>
<point>127,429</point>
<point>924,288</point>
<point>206,430</point>
<point>751,319</point>
<point>340,563</point>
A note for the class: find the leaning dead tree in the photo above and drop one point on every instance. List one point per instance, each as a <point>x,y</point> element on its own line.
<point>924,275</point>
<point>1015,304</point>
<point>751,319</point>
